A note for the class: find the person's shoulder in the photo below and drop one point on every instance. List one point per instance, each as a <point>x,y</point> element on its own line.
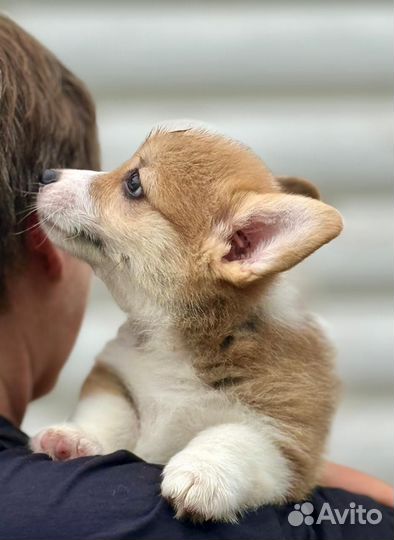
<point>118,496</point>
<point>10,436</point>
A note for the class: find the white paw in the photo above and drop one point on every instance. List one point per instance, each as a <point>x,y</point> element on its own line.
<point>199,489</point>
<point>65,441</point>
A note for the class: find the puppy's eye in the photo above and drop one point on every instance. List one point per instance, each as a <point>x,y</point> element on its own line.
<point>132,185</point>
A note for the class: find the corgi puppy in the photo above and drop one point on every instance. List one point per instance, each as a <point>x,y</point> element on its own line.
<point>219,372</point>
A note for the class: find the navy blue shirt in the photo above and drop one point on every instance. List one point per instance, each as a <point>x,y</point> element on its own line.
<point>118,497</point>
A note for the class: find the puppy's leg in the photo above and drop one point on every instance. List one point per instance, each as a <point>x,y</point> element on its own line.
<point>224,470</point>
<point>104,420</point>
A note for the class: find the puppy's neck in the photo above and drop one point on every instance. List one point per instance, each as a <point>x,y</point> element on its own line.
<point>212,323</point>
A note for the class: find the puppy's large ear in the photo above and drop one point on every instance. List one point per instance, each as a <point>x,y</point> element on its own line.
<point>265,234</point>
<point>298,186</point>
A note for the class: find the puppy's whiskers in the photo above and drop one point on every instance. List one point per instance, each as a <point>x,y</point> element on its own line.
<point>32,227</point>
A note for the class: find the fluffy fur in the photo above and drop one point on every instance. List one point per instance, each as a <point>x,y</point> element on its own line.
<point>219,373</point>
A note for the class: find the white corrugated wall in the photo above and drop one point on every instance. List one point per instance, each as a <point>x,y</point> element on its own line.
<point>308,86</point>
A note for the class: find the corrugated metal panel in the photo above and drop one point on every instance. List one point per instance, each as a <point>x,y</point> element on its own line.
<point>200,47</point>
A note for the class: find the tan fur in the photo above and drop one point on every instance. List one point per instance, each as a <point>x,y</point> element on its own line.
<point>221,178</point>
<point>222,170</point>
<point>102,380</point>
<point>298,186</point>
<point>201,189</point>
<point>281,372</point>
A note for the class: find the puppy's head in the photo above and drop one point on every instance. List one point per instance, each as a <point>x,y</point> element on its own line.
<point>191,211</point>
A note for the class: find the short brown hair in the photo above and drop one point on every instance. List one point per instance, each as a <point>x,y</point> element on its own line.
<point>47,120</point>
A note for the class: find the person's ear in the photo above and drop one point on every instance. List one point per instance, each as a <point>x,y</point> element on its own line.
<point>265,234</point>
<point>45,255</point>
<point>298,186</point>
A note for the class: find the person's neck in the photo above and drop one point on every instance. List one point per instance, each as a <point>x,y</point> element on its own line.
<point>12,405</point>
<point>16,379</point>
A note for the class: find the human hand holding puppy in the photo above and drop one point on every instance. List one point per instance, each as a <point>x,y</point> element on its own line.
<point>219,373</point>
<point>339,476</point>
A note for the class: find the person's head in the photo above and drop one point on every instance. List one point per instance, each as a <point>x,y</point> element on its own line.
<point>47,119</point>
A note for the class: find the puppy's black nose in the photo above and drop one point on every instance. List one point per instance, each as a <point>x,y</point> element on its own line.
<point>48,176</point>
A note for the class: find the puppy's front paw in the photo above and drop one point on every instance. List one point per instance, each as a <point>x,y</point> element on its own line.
<point>63,442</point>
<point>199,489</point>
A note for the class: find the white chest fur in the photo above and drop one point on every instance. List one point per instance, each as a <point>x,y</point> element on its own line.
<point>172,403</point>
<point>220,457</point>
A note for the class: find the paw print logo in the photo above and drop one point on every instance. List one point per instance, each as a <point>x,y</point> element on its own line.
<point>301,514</point>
